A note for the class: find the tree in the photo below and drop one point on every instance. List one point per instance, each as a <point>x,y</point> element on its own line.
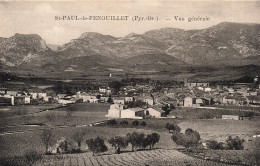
<point>115,85</point>
<point>118,143</point>
<point>66,145</point>
<point>167,109</point>
<point>172,127</point>
<point>98,97</point>
<point>46,138</point>
<point>79,137</point>
<point>96,145</point>
<point>135,139</point>
<point>153,139</point>
<point>189,139</point>
<point>69,111</point>
<point>235,143</point>
<point>109,100</point>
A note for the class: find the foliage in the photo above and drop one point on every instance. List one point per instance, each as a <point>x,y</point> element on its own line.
<point>172,127</point>
<point>124,122</point>
<point>79,137</point>
<point>137,103</point>
<point>152,139</point>
<point>167,109</point>
<point>98,97</point>
<point>109,100</point>
<point>111,122</point>
<point>188,140</point>
<point>235,143</point>
<point>118,143</point>
<point>214,145</point>
<point>135,123</point>
<point>135,139</point>
<point>66,145</point>
<point>96,145</point>
<point>46,138</point>
<point>115,85</point>
<point>143,123</point>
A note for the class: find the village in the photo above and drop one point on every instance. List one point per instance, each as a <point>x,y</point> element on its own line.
<point>144,100</point>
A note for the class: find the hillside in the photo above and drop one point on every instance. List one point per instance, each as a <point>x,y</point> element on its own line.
<point>21,48</point>
<point>162,50</point>
<point>224,42</point>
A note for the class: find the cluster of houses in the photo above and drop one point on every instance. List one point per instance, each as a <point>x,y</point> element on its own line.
<point>24,97</point>
<point>190,94</point>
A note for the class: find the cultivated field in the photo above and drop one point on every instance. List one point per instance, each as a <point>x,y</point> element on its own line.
<point>20,134</point>
<point>147,157</point>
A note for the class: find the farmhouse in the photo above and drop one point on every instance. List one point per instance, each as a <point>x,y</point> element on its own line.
<point>6,100</point>
<point>11,93</point>
<point>155,111</point>
<point>230,117</point>
<point>119,111</point>
<point>231,100</point>
<point>104,90</point>
<point>196,84</point>
<point>22,100</point>
<point>115,111</point>
<point>133,113</point>
<point>119,100</point>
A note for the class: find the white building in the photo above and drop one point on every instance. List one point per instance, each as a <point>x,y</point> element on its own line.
<point>115,111</point>
<point>27,100</point>
<point>6,100</point>
<point>188,102</point>
<point>155,112</point>
<point>118,100</point>
<point>149,101</point>
<point>230,117</point>
<point>41,95</point>
<point>133,113</point>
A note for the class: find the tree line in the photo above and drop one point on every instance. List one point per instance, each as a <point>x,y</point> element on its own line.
<point>137,140</point>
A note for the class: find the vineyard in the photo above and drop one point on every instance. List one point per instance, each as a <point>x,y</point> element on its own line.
<point>148,157</point>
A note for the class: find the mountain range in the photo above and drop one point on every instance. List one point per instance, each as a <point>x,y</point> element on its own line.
<point>225,44</point>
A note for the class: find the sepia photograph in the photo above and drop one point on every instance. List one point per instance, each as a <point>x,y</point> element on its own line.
<point>129,83</point>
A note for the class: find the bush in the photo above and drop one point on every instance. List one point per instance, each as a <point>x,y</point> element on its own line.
<point>235,143</point>
<point>124,122</point>
<point>75,151</point>
<point>214,145</point>
<point>135,123</point>
<point>189,140</point>
<point>143,123</point>
<point>172,128</point>
<point>112,122</point>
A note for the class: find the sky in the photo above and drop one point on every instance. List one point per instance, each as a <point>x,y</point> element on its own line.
<point>39,17</point>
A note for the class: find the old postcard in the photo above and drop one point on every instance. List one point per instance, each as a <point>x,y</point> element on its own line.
<point>146,83</point>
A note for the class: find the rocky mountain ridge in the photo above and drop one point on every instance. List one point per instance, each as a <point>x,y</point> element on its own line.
<point>222,44</point>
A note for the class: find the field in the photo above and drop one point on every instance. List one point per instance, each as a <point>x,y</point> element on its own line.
<point>21,133</point>
<point>147,157</point>
<point>207,113</point>
<point>81,114</point>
